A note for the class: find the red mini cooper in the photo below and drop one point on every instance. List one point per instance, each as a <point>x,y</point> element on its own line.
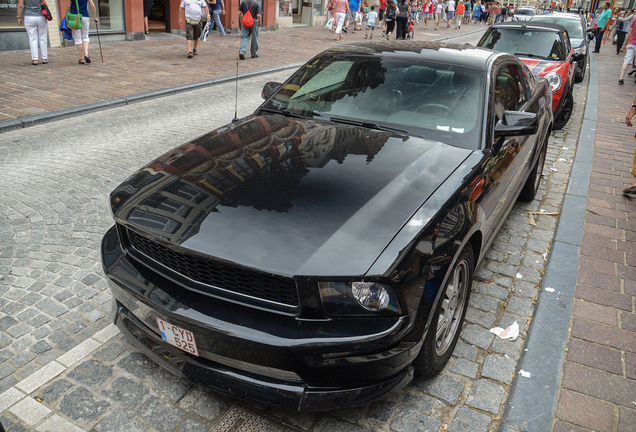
<point>545,48</point>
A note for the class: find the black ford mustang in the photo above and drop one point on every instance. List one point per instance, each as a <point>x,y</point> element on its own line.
<point>317,253</point>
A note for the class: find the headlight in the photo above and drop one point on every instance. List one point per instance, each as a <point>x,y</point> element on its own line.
<point>581,50</point>
<point>358,298</point>
<point>555,81</point>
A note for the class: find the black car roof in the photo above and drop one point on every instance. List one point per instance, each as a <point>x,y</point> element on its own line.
<point>530,25</point>
<point>461,55</point>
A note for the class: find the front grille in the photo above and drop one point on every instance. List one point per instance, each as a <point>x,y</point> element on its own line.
<point>211,273</point>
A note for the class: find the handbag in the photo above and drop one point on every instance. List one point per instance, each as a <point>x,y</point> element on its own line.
<point>329,25</point>
<point>74,21</point>
<point>248,20</point>
<point>46,12</point>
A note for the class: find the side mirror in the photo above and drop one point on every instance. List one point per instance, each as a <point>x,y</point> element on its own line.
<point>269,89</point>
<point>516,123</point>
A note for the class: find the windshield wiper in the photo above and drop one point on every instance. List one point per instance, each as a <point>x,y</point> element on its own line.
<point>531,55</point>
<point>366,124</point>
<point>289,113</point>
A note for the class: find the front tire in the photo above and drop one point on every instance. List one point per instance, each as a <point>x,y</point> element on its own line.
<point>564,114</point>
<point>448,318</point>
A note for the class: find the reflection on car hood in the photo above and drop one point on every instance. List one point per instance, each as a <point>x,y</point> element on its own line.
<point>288,196</point>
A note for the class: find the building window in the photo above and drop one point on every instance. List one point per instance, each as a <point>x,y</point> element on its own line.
<point>8,13</point>
<point>110,14</point>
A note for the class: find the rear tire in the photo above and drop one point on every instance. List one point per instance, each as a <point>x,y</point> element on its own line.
<point>448,318</point>
<point>534,179</point>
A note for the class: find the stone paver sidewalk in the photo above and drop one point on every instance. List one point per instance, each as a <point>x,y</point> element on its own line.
<point>598,389</point>
<point>157,63</point>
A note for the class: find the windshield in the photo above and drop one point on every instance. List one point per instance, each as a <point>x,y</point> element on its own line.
<point>436,101</point>
<point>573,26</point>
<point>525,12</point>
<point>525,43</point>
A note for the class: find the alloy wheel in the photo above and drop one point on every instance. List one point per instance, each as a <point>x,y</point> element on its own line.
<point>453,304</point>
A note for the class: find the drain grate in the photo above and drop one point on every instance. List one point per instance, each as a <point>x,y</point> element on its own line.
<point>242,419</point>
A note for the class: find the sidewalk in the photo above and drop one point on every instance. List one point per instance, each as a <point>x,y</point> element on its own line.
<point>158,63</point>
<point>581,350</point>
<point>598,389</point>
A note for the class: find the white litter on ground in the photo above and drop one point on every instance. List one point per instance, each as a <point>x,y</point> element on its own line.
<point>549,289</point>
<point>525,374</point>
<point>519,276</point>
<point>511,332</point>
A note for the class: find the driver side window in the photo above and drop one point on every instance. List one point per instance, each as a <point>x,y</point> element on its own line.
<point>509,91</point>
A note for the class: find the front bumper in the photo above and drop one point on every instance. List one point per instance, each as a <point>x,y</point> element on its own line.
<point>256,355</point>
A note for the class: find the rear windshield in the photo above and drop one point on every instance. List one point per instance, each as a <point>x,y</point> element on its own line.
<point>525,43</point>
<point>525,12</point>
<point>573,26</point>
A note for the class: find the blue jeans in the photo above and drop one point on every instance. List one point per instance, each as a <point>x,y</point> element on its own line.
<point>248,33</point>
<point>217,20</point>
<point>599,39</point>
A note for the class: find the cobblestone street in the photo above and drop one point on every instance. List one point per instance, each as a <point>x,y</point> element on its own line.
<point>64,366</point>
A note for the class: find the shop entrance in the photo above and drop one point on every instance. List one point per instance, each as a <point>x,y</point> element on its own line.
<point>301,11</point>
<point>159,19</point>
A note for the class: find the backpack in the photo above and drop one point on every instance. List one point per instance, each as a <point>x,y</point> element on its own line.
<point>390,13</point>
<point>248,20</point>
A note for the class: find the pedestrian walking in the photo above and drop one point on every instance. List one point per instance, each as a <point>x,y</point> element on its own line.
<point>381,14</point>
<point>450,12</point>
<point>147,12</point>
<point>429,11</point>
<point>414,8</point>
<point>631,189</point>
<point>354,9</point>
<point>601,26</point>
<point>459,14</point>
<point>623,24</point>
<point>80,36</point>
<point>477,13</point>
<point>341,8</point>
<point>217,8</point>
<point>493,11</point>
<point>439,10</point>
<point>629,50</point>
<point>402,18</point>
<point>249,35</point>
<point>372,17</point>
<point>468,8</point>
<point>192,11</point>
<point>389,16</point>
<point>36,28</point>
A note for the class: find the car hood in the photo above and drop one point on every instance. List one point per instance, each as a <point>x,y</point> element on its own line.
<point>287,196</point>
<point>543,67</point>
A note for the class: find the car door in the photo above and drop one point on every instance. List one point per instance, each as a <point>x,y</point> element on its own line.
<point>508,159</point>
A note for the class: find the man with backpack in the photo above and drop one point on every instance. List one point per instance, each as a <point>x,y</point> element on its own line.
<point>250,17</point>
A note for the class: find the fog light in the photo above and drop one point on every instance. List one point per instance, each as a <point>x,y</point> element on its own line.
<point>370,295</point>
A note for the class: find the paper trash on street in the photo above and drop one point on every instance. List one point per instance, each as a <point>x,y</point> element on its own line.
<point>511,332</point>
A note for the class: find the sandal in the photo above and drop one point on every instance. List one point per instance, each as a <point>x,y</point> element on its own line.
<point>190,55</point>
<point>34,62</point>
<point>45,61</point>
<point>81,61</point>
<point>87,58</point>
<point>630,190</point>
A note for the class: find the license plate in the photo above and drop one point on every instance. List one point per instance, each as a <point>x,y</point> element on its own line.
<point>178,337</point>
